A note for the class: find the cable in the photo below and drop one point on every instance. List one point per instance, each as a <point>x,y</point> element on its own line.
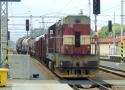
<point>76,7</point>
<point>107,10</point>
<point>54,2</point>
<point>66,5</point>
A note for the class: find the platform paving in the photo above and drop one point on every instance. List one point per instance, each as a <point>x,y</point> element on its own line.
<point>35,85</point>
<point>55,85</point>
<point>24,67</point>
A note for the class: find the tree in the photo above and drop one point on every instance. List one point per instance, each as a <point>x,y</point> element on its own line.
<point>116,28</point>
<point>103,32</point>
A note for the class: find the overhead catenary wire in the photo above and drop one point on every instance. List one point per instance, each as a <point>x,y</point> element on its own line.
<point>66,5</point>
<point>55,2</point>
<point>111,9</point>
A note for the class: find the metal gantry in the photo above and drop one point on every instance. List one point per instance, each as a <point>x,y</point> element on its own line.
<point>3,33</point>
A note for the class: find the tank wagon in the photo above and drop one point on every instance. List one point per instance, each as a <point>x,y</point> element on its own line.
<point>68,49</point>
<point>24,45</point>
<point>19,45</point>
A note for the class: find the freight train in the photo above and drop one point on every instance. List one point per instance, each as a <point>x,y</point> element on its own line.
<point>68,49</point>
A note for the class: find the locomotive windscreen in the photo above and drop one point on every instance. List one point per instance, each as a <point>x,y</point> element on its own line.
<point>77,39</point>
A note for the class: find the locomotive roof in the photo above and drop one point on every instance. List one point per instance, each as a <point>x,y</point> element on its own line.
<point>52,27</point>
<point>72,19</point>
<point>72,16</point>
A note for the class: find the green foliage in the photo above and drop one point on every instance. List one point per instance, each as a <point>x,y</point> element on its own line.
<point>116,28</point>
<point>103,32</point>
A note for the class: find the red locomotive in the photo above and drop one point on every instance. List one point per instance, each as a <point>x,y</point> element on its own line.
<point>68,48</point>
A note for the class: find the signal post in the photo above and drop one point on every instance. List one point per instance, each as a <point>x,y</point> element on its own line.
<point>96,11</point>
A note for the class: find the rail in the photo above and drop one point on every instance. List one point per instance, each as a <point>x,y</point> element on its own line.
<point>113,71</point>
<point>101,86</point>
<point>112,58</point>
<point>94,84</point>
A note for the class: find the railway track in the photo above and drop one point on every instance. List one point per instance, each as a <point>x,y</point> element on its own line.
<point>94,85</point>
<point>112,70</point>
<point>102,86</point>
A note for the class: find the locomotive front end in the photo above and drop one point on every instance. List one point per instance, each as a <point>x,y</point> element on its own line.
<point>76,37</point>
<point>74,52</point>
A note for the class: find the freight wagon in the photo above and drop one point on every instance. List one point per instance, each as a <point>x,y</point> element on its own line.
<point>68,49</point>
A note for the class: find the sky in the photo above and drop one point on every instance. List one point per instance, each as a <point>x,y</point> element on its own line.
<point>110,10</point>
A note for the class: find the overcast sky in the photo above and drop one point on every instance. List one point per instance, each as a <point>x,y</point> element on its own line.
<point>66,7</point>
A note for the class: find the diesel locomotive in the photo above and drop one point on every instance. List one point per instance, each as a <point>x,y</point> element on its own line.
<point>68,49</point>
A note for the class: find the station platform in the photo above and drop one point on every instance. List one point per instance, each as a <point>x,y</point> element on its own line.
<point>58,84</point>
<point>27,68</point>
<point>115,65</point>
<point>35,85</point>
<point>22,68</point>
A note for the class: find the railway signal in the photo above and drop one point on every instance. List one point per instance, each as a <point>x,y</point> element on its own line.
<point>27,24</point>
<point>110,26</point>
<point>96,11</point>
<point>96,7</point>
<point>8,35</point>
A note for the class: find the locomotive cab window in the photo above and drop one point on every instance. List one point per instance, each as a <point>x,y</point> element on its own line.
<point>77,39</point>
<point>77,20</point>
<point>51,31</point>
